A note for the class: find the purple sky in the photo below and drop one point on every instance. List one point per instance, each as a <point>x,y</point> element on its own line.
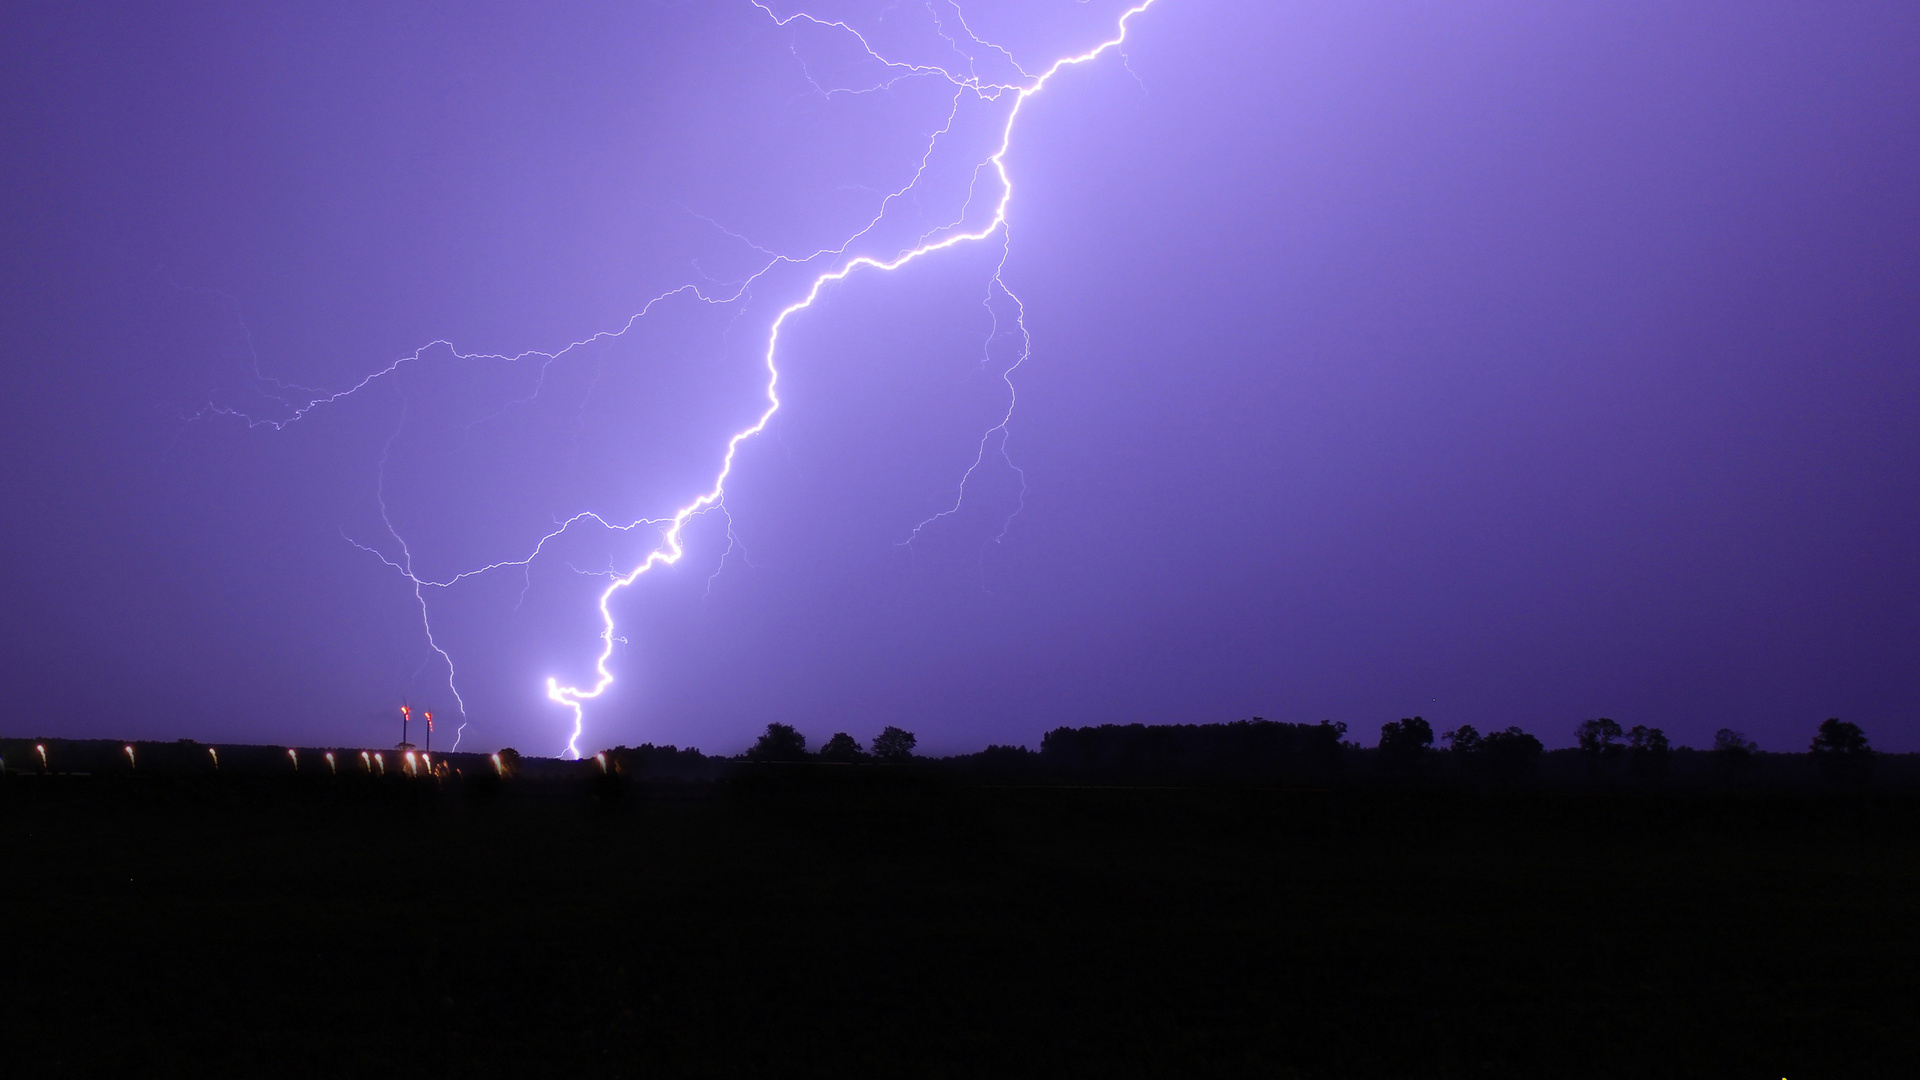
<point>1504,363</point>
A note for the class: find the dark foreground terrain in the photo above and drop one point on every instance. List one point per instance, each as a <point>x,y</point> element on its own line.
<point>883,922</point>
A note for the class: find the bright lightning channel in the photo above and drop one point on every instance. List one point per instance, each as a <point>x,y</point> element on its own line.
<point>672,548</point>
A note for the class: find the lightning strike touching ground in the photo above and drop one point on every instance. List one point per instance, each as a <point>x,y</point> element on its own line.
<point>1012,94</point>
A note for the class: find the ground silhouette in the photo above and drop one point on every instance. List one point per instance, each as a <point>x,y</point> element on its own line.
<point>1264,900</point>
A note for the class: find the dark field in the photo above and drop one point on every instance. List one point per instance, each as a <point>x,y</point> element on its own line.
<point>883,922</point>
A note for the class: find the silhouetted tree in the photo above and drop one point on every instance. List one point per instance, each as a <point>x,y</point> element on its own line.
<point>1511,755</point>
<point>1256,750</point>
<point>894,745</point>
<point>1405,746</point>
<point>1732,753</point>
<point>662,762</point>
<point>1647,753</point>
<point>1004,762</point>
<point>1841,751</point>
<point>842,748</point>
<point>1599,741</point>
<point>780,742</point>
<point>1503,756</point>
<point>1320,749</point>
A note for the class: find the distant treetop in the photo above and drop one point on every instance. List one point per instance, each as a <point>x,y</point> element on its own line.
<point>1647,753</point>
<point>894,744</point>
<point>1504,756</point>
<point>1840,750</point>
<point>1411,734</point>
<point>1729,741</point>
<point>1837,736</point>
<point>842,748</point>
<point>780,742</point>
<point>1405,747</point>
<point>1599,741</point>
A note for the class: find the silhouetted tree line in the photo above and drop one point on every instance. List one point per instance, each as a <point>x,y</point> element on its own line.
<point>669,762</point>
<point>1256,750</point>
<point>1502,756</point>
<point>1645,750</point>
<point>783,743</point>
<point>1840,750</point>
<point>1642,754</point>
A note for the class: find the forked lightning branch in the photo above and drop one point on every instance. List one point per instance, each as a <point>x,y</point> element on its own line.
<point>1010,94</point>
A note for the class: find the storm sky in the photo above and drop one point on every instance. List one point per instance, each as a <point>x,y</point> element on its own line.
<point>1498,362</point>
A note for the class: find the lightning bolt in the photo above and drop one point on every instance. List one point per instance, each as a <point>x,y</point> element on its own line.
<point>671,547</point>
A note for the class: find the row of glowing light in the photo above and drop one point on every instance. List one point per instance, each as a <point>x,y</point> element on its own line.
<point>371,761</point>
